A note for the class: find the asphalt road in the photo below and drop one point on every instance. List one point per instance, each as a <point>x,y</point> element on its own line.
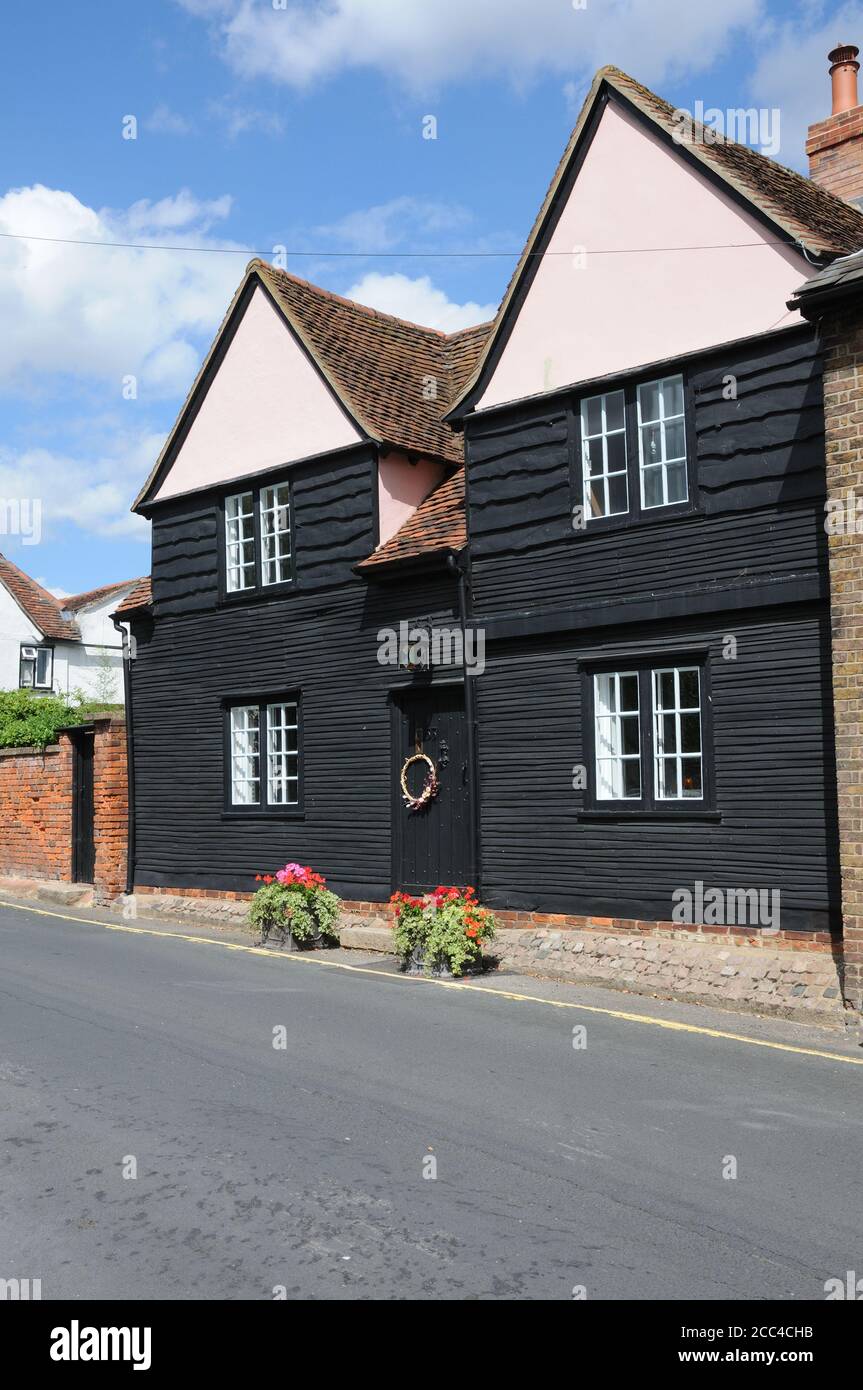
<point>302,1168</point>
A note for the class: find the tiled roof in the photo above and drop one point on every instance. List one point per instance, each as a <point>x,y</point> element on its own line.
<point>76,601</point>
<point>436,527</point>
<point>799,208</point>
<point>379,365</point>
<point>42,608</point>
<point>807,212</point>
<point>140,597</point>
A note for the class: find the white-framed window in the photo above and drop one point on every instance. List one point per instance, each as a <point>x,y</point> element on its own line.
<point>240,542</point>
<point>36,668</point>
<point>283,754</point>
<point>245,755</point>
<point>662,442</point>
<point>603,455</point>
<point>263,752</point>
<point>677,742</point>
<point>275,534</point>
<point>617,736</point>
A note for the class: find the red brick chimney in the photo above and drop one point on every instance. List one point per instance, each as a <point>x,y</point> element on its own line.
<point>835,146</point>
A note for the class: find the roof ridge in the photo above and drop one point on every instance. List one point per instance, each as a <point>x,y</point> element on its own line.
<point>258,264</point>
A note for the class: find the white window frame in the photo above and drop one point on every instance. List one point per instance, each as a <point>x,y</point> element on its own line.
<point>283,721</point>
<point>663,464</point>
<point>244,751</point>
<point>608,735</point>
<point>38,650</point>
<point>275,515</point>
<point>604,434</point>
<point>677,756</point>
<point>239,531</point>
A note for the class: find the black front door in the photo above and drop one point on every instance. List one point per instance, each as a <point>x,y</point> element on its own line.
<point>83,842</point>
<point>432,846</point>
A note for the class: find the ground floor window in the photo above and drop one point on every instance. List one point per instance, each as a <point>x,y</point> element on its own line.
<point>36,670</point>
<point>263,754</point>
<point>648,725</point>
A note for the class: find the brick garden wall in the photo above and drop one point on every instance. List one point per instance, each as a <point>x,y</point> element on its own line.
<point>111,807</point>
<point>36,809</point>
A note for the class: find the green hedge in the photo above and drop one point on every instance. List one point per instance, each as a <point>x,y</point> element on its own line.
<point>32,721</point>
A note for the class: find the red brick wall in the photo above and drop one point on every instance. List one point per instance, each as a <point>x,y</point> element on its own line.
<point>36,809</point>
<point>843,417</point>
<point>835,150</point>
<point>111,807</point>
<point>36,812</point>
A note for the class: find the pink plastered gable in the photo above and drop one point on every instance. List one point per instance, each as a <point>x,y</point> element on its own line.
<point>402,485</point>
<point>608,297</point>
<point>267,405</point>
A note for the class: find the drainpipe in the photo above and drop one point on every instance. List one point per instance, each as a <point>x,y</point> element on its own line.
<point>470,717</point>
<point>130,757</point>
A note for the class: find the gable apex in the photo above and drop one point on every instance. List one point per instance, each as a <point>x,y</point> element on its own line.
<point>784,207</point>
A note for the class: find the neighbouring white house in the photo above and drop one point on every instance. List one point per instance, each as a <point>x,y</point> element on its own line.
<point>60,645</point>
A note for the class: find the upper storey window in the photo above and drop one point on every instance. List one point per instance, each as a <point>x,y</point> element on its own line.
<point>633,449</point>
<point>258,551</point>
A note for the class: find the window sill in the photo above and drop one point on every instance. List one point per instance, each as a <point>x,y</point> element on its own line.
<point>672,814</point>
<point>263,815</point>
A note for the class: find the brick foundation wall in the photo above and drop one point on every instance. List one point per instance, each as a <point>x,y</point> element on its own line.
<point>735,936</point>
<point>843,416</point>
<point>36,811</point>
<point>835,150</point>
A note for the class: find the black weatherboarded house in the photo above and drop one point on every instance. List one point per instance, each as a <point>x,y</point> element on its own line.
<point>638,548</point>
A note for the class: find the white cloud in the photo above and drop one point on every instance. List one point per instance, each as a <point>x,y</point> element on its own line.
<point>164,121</point>
<point>107,313</point>
<point>427,45</point>
<point>417,300</point>
<point>94,490</point>
<point>401,221</point>
<point>243,120</point>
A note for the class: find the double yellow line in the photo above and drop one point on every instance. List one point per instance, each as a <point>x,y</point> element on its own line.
<point>321,961</point>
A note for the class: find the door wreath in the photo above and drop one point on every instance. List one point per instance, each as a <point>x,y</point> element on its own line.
<point>430,787</point>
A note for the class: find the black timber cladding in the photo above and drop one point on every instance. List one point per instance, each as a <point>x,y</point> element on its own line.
<point>551,599</point>
<point>759,526</point>
<point>319,639</point>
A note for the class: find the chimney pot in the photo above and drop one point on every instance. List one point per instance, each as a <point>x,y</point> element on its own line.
<point>843,72</point>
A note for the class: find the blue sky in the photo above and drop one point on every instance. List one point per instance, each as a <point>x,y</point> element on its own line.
<point>297,123</point>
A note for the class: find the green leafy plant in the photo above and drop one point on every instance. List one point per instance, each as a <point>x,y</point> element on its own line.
<point>33,721</point>
<point>445,930</point>
<point>295,901</point>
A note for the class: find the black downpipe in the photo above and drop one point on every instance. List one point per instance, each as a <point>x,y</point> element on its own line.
<point>130,756</point>
<point>470,718</point>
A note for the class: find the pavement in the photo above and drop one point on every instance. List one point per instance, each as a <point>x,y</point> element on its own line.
<point>318,1126</point>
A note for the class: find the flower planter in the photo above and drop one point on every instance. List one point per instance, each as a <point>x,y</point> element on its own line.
<point>295,910</point>
<point>415,965</point>
<point>441,934</point>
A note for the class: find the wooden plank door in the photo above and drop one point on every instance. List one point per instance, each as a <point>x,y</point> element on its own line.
<point>432,846</point>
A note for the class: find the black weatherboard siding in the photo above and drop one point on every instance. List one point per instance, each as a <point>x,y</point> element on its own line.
<point>737,583</point>
<point>758,476</point>
<point>319,641</point>
<point>554,602</point>
<point>772,765</point>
